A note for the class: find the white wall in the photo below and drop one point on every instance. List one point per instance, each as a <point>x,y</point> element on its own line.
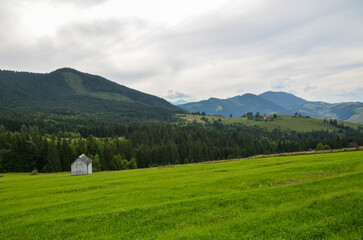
<point>79,167</point>
<point>90,168</point>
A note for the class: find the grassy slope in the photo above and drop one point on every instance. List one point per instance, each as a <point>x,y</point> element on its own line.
<point>295,197</point>
<point>299,124</point>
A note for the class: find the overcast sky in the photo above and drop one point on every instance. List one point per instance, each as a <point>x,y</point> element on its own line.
<point>193,49</point>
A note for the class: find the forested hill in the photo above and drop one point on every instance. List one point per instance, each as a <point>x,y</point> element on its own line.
<point>279,103</point>
<point>69,92</point>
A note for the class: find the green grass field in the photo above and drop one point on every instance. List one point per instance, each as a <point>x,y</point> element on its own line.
<point>299,124</point>
<point>318,196</point>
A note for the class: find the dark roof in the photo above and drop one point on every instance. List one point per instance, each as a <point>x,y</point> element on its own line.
<point>85,159</point>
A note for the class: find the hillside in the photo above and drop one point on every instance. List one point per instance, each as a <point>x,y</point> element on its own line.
<point>348,111</point>
<point>235,106</point>
<point>284,122</point>
<point>285,100</point>
<point>291,197</point>
<point>280,103</point>
<point>70,92</point>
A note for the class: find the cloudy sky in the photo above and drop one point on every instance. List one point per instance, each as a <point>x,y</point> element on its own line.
<point>193,49</point>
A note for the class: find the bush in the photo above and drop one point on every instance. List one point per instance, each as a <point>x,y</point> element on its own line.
<point>132,164</point>
<point>326,147</point>
<point>34,172</point>
<point>319,147</point>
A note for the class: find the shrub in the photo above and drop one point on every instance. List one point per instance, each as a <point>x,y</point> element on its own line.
<point>34,172</point>
<point>326,147</point>
<point>132,164</point>
<point>320,146</point>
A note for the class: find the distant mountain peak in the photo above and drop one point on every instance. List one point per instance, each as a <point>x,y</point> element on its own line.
<point>277,102</point>
<point>213,98</point>
<point>284,99</point>
<point>236,106</point>
<point>179,102</point>
<point>66,69</point>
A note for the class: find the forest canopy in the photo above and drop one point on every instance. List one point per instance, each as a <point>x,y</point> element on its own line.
<point>115,146</point>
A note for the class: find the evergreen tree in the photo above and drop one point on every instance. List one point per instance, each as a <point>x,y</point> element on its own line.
<point>96,164</point>
<point>53,162</point>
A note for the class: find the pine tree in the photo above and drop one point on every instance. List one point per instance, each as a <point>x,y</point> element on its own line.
<point>53,162</point>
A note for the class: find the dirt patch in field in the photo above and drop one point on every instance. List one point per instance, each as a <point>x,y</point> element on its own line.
<point>286,183</point>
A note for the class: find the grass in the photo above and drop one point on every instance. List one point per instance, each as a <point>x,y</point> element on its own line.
<point>285,122</point>
<point>296,197</point>
<point>76,83</point>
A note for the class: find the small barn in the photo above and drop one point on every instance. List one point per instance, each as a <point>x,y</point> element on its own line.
<point>82,165</point>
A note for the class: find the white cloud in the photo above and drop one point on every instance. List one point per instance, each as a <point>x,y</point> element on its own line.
<point>175,95</point>
<point>198,48</point>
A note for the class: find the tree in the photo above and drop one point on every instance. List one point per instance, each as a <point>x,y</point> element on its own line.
<point>96,164</point>
<point>258,116</point>
<point>91,145</point>
<point>116,162</point>
<point>326,147</point>
<point>319,147</point>
<point>250,115</point>
<point>2,129</point>
<point>108,153</point>
<point>119,163</point>
<point>53,162</point>
<point>132,164</point>
<point>81,146</point>
<point>24,129</point>
<point>65,155</point>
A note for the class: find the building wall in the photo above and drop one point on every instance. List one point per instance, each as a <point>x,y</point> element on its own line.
<point>90,168</point>
<point>79,167</point>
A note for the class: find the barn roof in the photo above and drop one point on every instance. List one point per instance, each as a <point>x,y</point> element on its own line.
<point>85,159</point>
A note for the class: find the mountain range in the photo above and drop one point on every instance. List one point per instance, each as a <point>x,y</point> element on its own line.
<point>71,93</point>
<point>67,91</point>
<point>279,103</point>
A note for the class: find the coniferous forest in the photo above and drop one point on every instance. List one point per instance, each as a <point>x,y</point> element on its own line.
<point>25,146</point>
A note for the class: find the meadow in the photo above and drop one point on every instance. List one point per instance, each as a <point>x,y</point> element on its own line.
<point>284,122</point>
<point>317,196</point>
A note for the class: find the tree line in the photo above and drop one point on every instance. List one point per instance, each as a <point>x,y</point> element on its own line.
<point>154,144</point>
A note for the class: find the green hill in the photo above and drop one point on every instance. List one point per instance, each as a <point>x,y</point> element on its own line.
<point>280,103</point>
<point>236,106</point>
<point>346,111</point>
<point>70,92</point>
<point>285,122</point>
<point>316,196</point>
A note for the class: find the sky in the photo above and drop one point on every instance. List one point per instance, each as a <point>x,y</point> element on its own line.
<point>193,49</point>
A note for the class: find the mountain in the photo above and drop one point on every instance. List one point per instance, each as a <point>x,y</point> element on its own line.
<point>347,111</point>
<point>283,99</point>
<point>296,104</point>
<point>236,106</point>
<point>350,111</point>
<point>280,103</point>
<point>179,102</point>
<point>68,91</point>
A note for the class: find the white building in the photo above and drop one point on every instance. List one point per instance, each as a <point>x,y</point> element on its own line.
<point>82,165</point>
